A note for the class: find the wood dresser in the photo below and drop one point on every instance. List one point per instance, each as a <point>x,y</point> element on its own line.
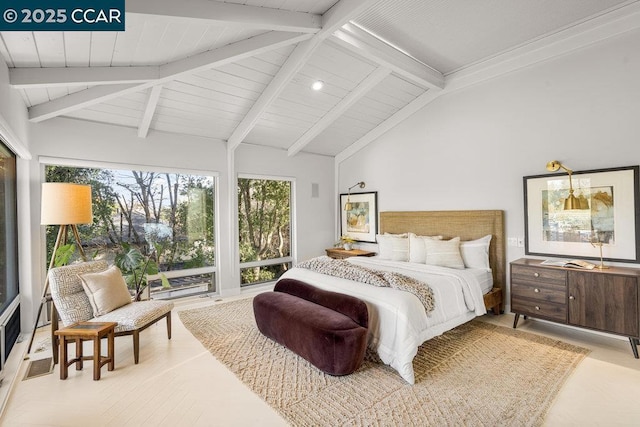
<point>603,300</point>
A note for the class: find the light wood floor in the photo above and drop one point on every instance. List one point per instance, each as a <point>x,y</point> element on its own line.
<point>178,383</point>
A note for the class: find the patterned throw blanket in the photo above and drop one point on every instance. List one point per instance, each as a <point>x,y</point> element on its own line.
<point>386,279</point>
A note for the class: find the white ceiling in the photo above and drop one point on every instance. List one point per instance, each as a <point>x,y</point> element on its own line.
<point>241,71</point>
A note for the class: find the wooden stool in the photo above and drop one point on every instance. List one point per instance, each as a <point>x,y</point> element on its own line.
<point>84,331</point>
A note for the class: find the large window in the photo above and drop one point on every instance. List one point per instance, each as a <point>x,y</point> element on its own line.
<point>8,229</point>
<point>264,222</point>
<point>167,217</point>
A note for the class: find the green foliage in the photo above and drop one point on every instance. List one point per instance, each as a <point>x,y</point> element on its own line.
<point>64,254</point>
<point>201,254</point>
<point>165,282</point>
<point>263,224</point>
<point>125,201</point>
<point>257,274</point>
<point>103,200</point>
<point>196,219</point>
<point>135,267</point>
<point>129,260</point>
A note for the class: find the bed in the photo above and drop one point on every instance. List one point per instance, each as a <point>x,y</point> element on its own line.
<point>398,321</point>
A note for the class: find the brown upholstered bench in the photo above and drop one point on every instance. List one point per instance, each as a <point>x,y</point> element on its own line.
<point>326,328</point>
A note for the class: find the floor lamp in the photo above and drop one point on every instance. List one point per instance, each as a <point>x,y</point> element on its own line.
<point>66,205</point>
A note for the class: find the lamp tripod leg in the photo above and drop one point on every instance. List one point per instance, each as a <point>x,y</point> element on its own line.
<point>74,229</point>
<point>61,239</point>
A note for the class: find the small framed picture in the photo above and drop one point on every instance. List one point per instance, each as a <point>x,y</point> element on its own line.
<point>359,216</point>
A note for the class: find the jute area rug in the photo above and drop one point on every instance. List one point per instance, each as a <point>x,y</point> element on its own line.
<point>478,374</point>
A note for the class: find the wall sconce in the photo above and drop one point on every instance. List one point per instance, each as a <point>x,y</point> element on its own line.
<point>348,206</point>
<point>571,202</point>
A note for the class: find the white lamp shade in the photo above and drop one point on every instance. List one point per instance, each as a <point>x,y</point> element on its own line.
<point>65,204</point>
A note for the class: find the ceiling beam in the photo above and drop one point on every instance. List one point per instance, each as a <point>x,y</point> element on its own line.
<point>365,45</point>
<point>619,21</point>
<point>404,113</point>
<point>168,72</point>
<point>230,53</point>
<point>341,13</point>
<point>626,18</point>
<point>78,100</point>
<point>291,66</point>
<point>358,92</point>
<point>31,78</point>
<point>334,18</point>
<point>221,13</point>
<point>149,111</point>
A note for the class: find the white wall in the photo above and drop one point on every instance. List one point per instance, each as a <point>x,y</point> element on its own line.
<point>13,115</point>
<point>314,215</point>
<point>75,139</point>
<point>470,149</point>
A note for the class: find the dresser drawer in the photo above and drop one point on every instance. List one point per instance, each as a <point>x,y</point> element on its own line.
<point>541,309</point>
<point>540,292</point>
<point>533,275</point>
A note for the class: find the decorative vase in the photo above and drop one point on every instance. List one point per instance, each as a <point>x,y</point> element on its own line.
<point>348,246</point>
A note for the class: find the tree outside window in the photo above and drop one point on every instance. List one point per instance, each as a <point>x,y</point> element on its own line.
<point>264,229</point>
<point>166,216</point>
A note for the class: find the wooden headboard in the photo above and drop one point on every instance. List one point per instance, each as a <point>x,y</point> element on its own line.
<point>469,225</point>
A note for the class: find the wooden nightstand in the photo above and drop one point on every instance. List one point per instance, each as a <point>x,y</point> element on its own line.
<point>339,253</point>
<point>493,300</point>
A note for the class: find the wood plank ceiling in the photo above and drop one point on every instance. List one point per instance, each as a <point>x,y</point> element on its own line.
<point>241,71</point>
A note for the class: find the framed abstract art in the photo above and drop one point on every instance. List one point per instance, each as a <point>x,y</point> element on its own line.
<point>360,221</point>
<point>606,215</point>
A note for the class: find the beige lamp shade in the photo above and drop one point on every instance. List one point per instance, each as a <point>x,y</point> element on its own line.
<point>65,204</point>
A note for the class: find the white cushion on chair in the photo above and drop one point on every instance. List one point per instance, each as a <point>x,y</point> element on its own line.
<point>136,315</point>
<point>106,290</point>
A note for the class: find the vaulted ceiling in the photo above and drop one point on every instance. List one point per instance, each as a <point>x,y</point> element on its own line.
<point>241,70</point>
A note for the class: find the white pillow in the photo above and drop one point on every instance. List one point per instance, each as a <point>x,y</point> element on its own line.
<point>444,253</point>
<point>106,290</point>
<point>475,253</point>
<point>392,247</point>
<point>417,250</point>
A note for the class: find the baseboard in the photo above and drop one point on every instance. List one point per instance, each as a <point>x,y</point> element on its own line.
<point>11,371</point>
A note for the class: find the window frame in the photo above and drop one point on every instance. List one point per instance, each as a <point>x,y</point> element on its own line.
<point>293,229</point>
<point>7,308</point>
<point>79,163</point>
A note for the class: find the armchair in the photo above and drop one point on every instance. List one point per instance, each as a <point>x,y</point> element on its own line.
<point>72,305</point>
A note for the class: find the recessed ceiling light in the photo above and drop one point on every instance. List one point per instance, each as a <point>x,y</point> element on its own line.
<point>317,85</point>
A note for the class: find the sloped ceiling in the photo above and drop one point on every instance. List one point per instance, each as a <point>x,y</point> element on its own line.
<point>241,71</point>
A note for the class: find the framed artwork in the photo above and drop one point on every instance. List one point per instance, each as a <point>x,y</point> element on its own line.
<point>609,215</point>
<point>361,221</point>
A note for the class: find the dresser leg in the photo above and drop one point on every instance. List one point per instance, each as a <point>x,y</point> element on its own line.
<point>515,320</point>
<point>634,346</point>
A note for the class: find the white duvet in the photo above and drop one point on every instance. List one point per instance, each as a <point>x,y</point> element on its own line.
<point>398,323</point>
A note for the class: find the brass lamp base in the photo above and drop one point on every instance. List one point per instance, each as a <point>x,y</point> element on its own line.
<point>599,245</point>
